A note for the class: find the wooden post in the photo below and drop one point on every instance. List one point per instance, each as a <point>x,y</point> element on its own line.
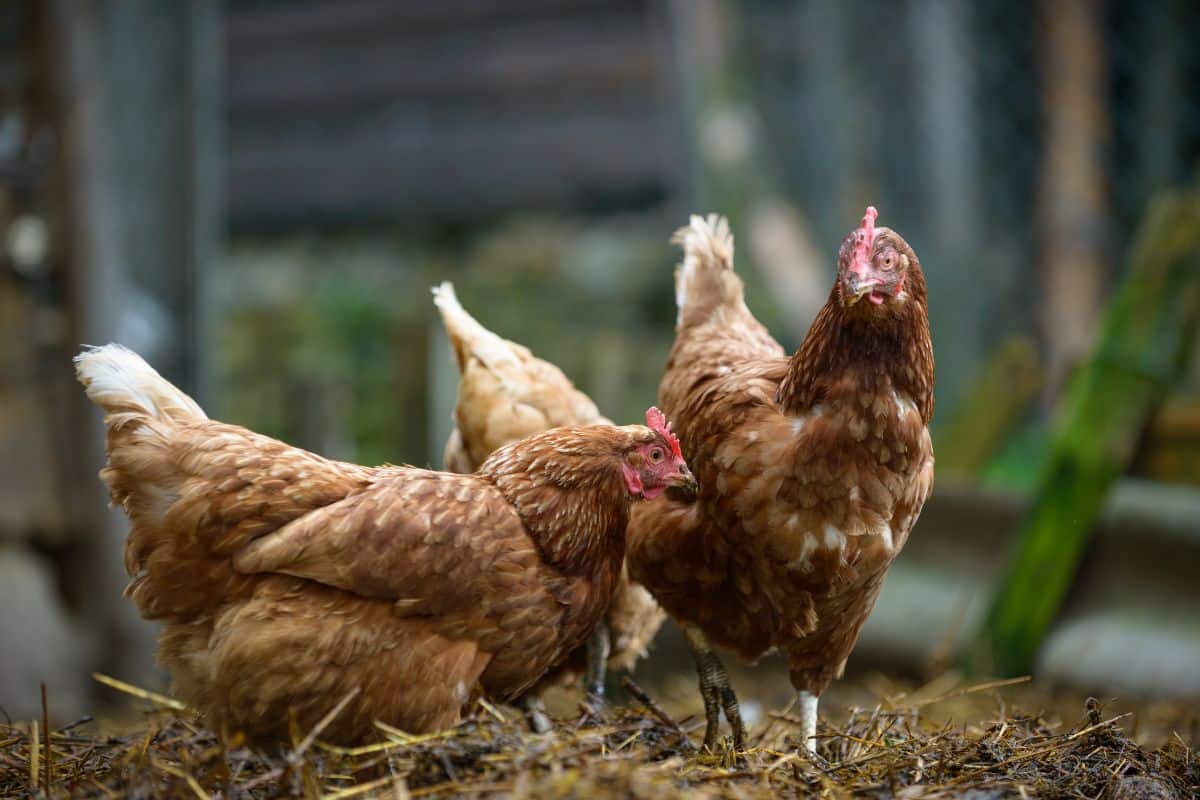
<point>947,119</point>
<point>1071,201</point>
<point>138,96</point>
<point>95,287</point>
<point>1143,343</point>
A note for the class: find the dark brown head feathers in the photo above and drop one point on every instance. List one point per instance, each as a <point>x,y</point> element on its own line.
<point>881,335</point>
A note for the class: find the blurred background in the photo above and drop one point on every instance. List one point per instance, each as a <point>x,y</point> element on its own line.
<point>257,195</point>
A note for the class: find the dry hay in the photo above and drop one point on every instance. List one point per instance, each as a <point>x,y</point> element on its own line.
<point>626,752</point>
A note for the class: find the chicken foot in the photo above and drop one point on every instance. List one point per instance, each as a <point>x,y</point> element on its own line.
<point>535,711</point>
<point>718,695</point>
<point>599,647</point>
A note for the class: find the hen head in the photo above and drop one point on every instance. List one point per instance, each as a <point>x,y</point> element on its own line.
<point>654,461</point>
<point>878,273</point>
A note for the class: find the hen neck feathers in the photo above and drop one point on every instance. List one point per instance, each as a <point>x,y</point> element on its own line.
<point>571,497</point>
<point>848,355</point>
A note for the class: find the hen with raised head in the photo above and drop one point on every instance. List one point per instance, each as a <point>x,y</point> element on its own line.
<point>287,582</point>
<point>812,468</point>
<point>505,393</point>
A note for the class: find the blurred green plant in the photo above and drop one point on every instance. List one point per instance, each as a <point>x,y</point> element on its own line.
<point>1143,345</point>
<point>325,342</point>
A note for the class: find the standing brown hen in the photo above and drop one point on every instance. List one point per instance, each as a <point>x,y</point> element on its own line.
<point>504,394</point>
<point>812,468</point>
<point>286,581</point>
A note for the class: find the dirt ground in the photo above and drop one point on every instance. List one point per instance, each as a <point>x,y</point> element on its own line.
<point>879,738</point>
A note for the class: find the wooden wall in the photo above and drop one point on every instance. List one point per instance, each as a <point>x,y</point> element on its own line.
<point>372,110</point>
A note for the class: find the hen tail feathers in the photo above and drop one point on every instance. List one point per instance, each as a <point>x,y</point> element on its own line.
<point>126,387</point>
<point>468,337</point>
<point>705,279</point>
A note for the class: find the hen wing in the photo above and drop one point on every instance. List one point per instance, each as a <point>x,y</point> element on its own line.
<point>446,547</point>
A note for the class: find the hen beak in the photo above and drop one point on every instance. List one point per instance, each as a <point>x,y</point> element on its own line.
<point>683,484</point>
<point>857,291</point>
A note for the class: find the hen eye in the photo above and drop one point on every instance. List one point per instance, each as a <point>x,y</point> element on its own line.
<point>888,261</point>
<point>656,455</point>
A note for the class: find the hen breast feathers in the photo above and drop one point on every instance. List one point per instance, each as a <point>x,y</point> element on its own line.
<point>286,580</point>
<point>504,394</point>
<point>801,510</point>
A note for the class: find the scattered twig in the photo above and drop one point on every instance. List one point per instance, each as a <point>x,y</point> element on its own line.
<point>49,756</point>
<point>636,750</point>
<point>640,695</point>
<point>34,748</point>
<point>1091,728</point>
<point>191,781</point>
<point>491,709</point>
<point>145,694</point>
<point>324,722</point>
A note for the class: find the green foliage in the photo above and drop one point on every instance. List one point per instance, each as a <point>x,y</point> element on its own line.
<point>326,343</point>
<point>1143,344</point>
<point>310,355</point>
<point>1000,397</point>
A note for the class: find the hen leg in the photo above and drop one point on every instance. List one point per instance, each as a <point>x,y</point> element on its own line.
<point>808,722</point>
<point>598,649</point>
<point>715,689</point>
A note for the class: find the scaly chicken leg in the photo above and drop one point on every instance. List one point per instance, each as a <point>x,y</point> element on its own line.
<point>599,646</point>
<point>808,722</point>
<point>715,689</point>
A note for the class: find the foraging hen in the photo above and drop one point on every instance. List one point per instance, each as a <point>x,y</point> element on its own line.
<point>812,468</point>
<point>505,393</point>
<point>286,581</point>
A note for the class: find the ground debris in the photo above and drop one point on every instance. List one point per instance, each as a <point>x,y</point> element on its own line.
<point>892,751</point>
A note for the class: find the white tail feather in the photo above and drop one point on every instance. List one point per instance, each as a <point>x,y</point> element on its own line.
<point>467,335</point>
<point>119,380</point>
<point>707,247</point>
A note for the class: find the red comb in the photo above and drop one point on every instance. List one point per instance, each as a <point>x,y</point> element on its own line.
<point>868,222</point>
<point>861,260</point>
<point>657,422</point>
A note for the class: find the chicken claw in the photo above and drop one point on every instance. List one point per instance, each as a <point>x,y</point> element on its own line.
<point>535,710</point>
<point>715,689</point>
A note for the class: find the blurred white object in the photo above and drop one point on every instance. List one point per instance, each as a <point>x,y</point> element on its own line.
<point>28,244</point>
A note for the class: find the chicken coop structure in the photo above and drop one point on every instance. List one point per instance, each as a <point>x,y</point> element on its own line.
<point>258,194</point>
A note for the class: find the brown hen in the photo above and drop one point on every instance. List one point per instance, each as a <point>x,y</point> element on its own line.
<point>504,394</point>
<point>286,582</point>
<point>812,468</point>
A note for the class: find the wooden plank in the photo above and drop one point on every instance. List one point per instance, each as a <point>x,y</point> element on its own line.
<point>460,165</point>
<point>607,55</point>
<point>257,24</point>
<point>1149,325</point>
